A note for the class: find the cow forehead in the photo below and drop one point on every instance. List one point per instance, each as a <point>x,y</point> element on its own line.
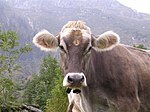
<point>76,25</point>
<point>76,33</point>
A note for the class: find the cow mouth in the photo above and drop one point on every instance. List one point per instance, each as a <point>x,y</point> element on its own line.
<point>77,91</point>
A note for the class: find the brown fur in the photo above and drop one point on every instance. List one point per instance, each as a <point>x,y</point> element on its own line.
<point>77,25</point>
<point>120,75</point>
<point>106,42</point>
<point>45,40</point>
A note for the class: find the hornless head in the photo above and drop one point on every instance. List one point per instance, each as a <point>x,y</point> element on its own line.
<point>75,42</point>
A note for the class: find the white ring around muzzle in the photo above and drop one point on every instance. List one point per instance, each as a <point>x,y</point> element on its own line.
<point>66,82</point>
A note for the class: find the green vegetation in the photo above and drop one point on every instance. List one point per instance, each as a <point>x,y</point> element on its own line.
<point>45,90</point>
<point>58,100</point>
<point>141,46</point>
<point>10,52</point>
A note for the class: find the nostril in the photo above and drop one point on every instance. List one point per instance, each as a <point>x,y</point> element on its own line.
<point>70,80</point>
<point>82,79</point>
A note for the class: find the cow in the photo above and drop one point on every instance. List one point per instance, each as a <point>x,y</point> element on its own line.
<point>109,76</point>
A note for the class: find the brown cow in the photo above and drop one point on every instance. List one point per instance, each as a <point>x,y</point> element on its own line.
<point>112,77</point>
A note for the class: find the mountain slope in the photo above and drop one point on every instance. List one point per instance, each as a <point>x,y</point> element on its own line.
<point>101,15</point>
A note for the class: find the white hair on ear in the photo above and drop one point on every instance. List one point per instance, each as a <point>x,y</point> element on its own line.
<point>47,49</point>
<point>108,34</point>
<point>35,41</point>
<point>37,35</point>
<point>111,33</point>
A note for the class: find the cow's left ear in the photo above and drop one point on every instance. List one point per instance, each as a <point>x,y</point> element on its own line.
<point>106,41</point>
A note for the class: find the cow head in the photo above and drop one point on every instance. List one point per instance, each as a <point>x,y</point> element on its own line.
<point>75,42</point>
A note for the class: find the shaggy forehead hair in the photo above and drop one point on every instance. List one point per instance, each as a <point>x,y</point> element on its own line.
<point>76,25</point>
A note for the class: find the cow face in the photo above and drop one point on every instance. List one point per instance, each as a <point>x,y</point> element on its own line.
<point>75,42</point>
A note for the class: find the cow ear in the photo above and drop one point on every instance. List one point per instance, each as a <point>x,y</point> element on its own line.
<point>45,41</point>
<point>106,41</point>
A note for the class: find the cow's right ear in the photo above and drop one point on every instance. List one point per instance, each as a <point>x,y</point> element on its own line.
<point>45,41</point>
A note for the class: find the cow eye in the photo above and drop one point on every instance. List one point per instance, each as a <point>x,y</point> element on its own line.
<point>88,50</point>
<point>62,48</point>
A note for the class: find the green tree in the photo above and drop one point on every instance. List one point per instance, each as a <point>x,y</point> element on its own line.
<point>141,46</point>
<point>10,51</point>
<point>41,88</point>
<point>58,101</point>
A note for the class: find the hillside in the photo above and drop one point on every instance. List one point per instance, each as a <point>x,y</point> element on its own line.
<point>101,15</point>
